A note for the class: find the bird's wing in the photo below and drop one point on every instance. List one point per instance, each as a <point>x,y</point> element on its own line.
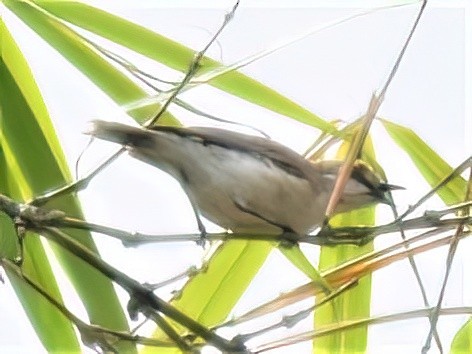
<point>282,156</point>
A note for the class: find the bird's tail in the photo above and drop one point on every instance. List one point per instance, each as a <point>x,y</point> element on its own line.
<point>118,133</point>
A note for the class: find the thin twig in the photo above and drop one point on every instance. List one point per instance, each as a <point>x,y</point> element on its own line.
<point>91,334</point>
<point>358,141</point>
<point>191,271</point>
<point>414,268</point>
<point>456,173</point>
<point>194,66</point>
<point>450,257</point>
<point>78,185</point>
<point>143,297</point>
<point>220,71</point>
<point>169,331</point>
<point>129,66</point>
<point>329,329</point>
<point>144,78</point>
<point>287,321</point>
<point>352,269</point>
<point>355,268</point>
<point>83,182</point>
<point>326,236</point>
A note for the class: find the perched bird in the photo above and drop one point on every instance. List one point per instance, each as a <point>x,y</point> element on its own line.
<point>245,183</point>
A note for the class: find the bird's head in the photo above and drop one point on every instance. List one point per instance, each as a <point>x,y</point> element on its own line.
<point>364,187</point>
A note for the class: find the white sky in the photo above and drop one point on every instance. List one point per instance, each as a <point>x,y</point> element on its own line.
<point>333,74</point>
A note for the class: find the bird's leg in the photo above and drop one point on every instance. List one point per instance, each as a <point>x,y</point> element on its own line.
<point>203,234</point>
<point>184,181</point>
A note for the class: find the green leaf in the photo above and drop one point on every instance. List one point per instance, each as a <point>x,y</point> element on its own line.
<point>462,344</point>
<point>179,57</point>
<point>87,59</point>
<point>223,282</point>
<point>210,295</point>
<point>355,303</point>
<point>54,329</point>
<point>9,247</point>
<point>295,255</point>
<point>232,255</point>
<point>432,167</point>
<point>33,163</point>
<point>55,332</point>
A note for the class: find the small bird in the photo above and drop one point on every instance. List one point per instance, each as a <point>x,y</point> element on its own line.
<point>244,183</point>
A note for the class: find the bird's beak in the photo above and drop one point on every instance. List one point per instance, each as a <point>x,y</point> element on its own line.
<point>385,188</point>
<point>390,187</point>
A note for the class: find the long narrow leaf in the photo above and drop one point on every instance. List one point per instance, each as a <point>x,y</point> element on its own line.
<point>87,59</point>
<point>462,342</point>
<point>55,331</point>
<point>295,255</point>
<point>250,257</point>
<point>221,285</point>
<point>178,57</point>
<point>429,163</point>
<point>210,296</point>
<point>355,303</point>
<point>34,164</point>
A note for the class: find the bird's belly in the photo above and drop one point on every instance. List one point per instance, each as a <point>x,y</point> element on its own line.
<point>244,193</point>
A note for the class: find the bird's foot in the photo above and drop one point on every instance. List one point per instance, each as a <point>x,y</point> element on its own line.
<point>289,238</point>
<point>203,235</point>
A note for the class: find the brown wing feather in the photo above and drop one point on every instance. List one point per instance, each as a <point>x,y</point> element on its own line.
<point>279,154</point>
